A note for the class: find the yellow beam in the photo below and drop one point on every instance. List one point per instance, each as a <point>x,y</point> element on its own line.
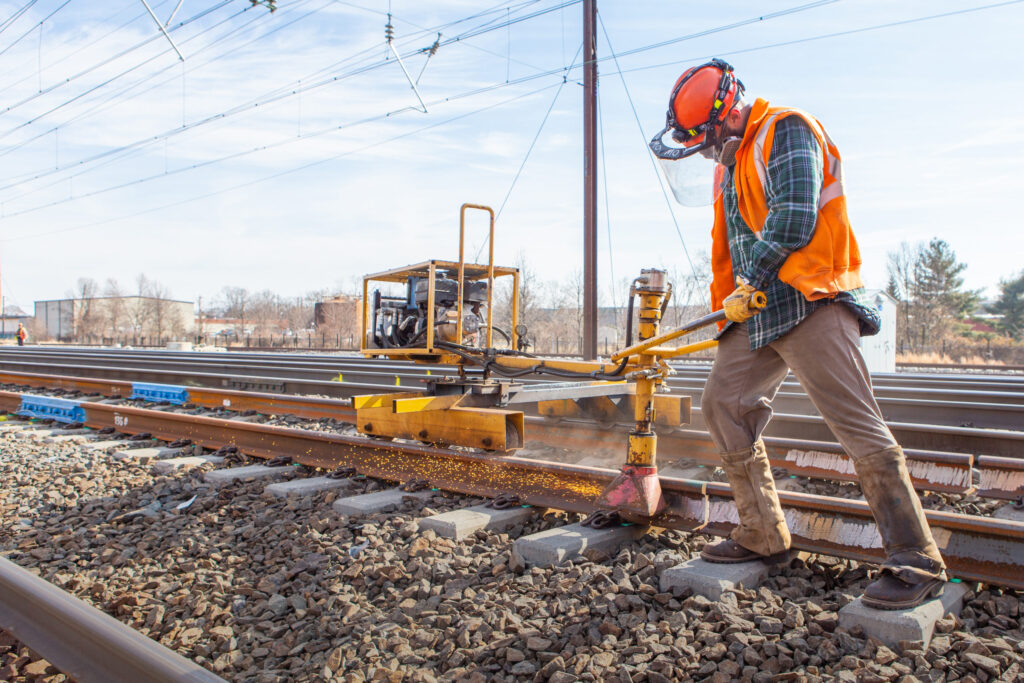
<point>422,403</point>
<point>492,429</point>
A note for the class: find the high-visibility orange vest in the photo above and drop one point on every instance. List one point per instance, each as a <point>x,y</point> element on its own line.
<point>830,262</point>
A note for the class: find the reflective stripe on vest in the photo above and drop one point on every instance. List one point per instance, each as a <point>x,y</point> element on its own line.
<point>834,164</point>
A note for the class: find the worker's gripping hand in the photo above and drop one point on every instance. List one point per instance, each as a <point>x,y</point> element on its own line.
<point>738,306</point>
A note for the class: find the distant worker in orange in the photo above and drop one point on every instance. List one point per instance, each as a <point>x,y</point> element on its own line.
<point>22,334</point>
<point>775,178</point>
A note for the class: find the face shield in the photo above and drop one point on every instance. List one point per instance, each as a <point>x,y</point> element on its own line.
<point>695,179</point>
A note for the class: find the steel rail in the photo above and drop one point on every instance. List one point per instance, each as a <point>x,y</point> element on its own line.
<point>974,548</point>
<point>1006,411</point>
<point>84,643</point>
<point>331,363</point>
<point>912,435</point>
<point>930,470</point>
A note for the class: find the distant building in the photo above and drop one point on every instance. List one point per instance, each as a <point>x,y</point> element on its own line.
<point>880,350</point>
<point>114,317</point>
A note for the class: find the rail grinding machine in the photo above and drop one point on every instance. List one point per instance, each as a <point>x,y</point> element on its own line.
<point>442,312</point>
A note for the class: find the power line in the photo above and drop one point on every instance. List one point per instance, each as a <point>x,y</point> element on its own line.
<point>70,79</point>
<point>262,148</point>
<point>533,143</point>
<point>279,174</point>
<point>654,166</point>
<point>268,98</point>
<point>17,14</point>
<point>614,56</point>
<point>34,27</point>
<point>103,37</point>
<point>837,34</point>
<point>476,31</point>
<point>35,175</point>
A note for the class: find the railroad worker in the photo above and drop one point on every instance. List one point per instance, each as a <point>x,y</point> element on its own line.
<point>780,226</point>
<point>21,334</point>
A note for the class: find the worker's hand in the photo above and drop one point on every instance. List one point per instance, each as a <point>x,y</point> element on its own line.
<point>738,306</point>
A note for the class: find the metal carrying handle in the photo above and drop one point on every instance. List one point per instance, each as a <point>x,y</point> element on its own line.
<point>462,269</point>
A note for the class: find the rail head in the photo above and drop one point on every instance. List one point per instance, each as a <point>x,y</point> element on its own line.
<point>83,642</point>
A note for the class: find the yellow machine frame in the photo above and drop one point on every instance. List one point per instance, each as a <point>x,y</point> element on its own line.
<point>428,269</point>
<point>478,411</point>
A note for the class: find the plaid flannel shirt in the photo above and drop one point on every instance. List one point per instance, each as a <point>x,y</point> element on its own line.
<point>795,174</point>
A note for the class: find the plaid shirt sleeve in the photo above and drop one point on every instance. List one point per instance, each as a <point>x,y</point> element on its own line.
<point>795,174</point>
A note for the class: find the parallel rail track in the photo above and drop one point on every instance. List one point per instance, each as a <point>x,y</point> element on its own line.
<point>975,548</point>
<point>977,417</point>
<point>930,471</point>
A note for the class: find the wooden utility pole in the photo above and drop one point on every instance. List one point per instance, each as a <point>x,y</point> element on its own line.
<point>589,179</point>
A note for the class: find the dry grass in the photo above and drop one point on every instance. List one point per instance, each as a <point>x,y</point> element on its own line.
<point>943,358</point>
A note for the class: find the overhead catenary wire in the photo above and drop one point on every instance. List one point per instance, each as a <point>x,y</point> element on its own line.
<point>529,149</point>
<point>835,34</point>
<point>267,98</point>
<point>279,174</point>
<point>261,148</point>
<point>36,175</point>
<point>607,206</point>
<point>238,154</point>
<point>280,93</point>
<point>554,71</point>
<point>614,55</point>
<point>106,82</point>
<point>17,15</point>
<point>81,49</point>
<point>34,27</point>
<point>650,156</point>
<point>477,31</point>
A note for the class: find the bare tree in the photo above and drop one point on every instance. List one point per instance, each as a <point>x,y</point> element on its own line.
<point>87,320</point>
<point>138,310</point>
<point>163,312</point>
<point>264,312</point>
<point>114,308</point>
<point>900,264</point>
<point>236,305</point>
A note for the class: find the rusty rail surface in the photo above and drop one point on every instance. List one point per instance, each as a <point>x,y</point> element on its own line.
<point>80,640</point>
<point>1000,477</point>
<point>975,548</point>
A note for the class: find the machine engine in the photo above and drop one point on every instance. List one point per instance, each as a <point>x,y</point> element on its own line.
<point>402,321</point>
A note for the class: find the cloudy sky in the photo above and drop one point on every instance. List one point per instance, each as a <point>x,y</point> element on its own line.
<point>288,151</point>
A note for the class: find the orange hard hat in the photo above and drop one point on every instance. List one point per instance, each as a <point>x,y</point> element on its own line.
<point>700,99</point>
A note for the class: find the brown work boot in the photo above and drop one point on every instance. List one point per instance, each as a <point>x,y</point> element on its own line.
<point>731,552</point>
<point>914,570</point>
<point>762,529</point>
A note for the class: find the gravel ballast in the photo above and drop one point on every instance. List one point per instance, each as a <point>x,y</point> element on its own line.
<point>259,588</point>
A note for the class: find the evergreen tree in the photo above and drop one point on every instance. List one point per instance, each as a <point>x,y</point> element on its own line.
<point>937,280</point>
<point>1011,305</point>
<point>893,289</point>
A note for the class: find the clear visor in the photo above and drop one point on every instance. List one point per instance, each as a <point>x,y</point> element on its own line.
<point>695,180</point>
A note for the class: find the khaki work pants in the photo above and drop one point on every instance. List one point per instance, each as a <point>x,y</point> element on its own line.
<point>823,352</point>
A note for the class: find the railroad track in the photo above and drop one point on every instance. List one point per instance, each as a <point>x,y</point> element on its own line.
<point>651,554</point>
<point>977,548</point>
<point>980,417</point>
<point>563,486</point>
